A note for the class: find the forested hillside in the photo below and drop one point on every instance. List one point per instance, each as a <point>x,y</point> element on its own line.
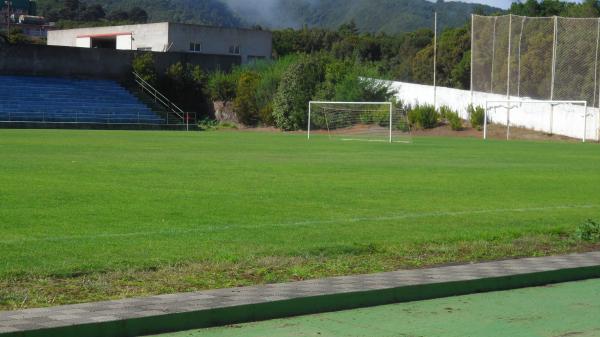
<point>390,16</point>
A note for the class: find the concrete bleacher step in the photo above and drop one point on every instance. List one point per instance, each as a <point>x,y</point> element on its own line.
<point>47,100</point>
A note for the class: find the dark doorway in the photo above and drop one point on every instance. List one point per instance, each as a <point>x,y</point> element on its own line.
<point>108,42</point>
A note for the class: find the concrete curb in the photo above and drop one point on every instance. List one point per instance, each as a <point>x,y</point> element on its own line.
<point>230,306</point>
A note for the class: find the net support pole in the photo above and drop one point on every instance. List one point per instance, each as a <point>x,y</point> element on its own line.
<point>309,112</point>
<point>485,117</point>
<point>508,58</point>
<point>585,116</point>
<point>391,112</point>
<point>508,78</point>
<point>596,62</point>
<point>472,52</point>
<point>434,60</point>
<point>554,47</point>
<point>493,55</point>
<point>519,59</point>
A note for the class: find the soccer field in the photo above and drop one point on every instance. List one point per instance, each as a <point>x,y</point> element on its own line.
<point>88,215</point>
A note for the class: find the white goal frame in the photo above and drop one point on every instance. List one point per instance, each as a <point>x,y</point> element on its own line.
<point>390,104</point>
<point>511,104</point>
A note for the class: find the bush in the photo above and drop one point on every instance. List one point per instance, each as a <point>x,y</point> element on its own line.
<point>445,111</point>
<point>588,231</point>
<point>143,64</point>
<point>452,117</point>
<point>423,116</point>
<point>476,116</point>
<point>297,87</point>
<point>222,86</point>
<point>270,77</point>
<point>454,120</point>
<point>185,85</point>
<point>245,105</point>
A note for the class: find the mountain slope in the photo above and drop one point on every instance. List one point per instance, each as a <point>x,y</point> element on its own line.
<point>390,16</point>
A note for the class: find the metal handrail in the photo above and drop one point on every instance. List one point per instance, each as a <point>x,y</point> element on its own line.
<point>159,97</point>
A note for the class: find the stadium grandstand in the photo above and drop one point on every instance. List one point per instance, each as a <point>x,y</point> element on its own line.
<point>63,102</point>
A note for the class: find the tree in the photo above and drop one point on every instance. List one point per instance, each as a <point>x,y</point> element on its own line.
<point>296,89</point>
<point>143,64</point>
<point>245,104</point>
<point>185,84</point>
<point>138,15</point>
<point>118,15</point>
<point>72,5</point>
<point>348,29</point>
<point>222,86</point>
<point>93,13</point>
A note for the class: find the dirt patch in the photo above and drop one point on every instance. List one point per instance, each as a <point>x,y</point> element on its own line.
<point>495,131</point>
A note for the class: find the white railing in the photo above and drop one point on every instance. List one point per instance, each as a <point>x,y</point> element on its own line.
<point>162,99</point>
<point>79,117</point>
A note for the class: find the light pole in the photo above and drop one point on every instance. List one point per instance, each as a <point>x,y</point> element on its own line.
<point>8,4</point>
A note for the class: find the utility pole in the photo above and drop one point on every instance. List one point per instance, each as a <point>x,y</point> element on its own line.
<point>8,3</point>
<point>435,60</point>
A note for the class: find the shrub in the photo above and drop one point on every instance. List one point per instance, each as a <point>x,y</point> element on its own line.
<point>245,105</point>
<point>452,117</point>
<point>270,77</point>
<point>222,86</point>
<point>454,120</point>
<point>423,116</point>
<point>185,85</point>
<point>445,111</point>
<point>588,231</point>
<point>476,116</point>
<point>297,87</point>
<point>143,64</point>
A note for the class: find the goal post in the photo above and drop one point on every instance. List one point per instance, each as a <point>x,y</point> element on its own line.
<point>357,121</point>
<point>539,115</point>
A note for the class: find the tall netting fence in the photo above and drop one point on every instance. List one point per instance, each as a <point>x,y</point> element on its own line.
<point>550,58</point>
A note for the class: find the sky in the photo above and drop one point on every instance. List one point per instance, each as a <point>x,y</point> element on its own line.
<point>504,4</point>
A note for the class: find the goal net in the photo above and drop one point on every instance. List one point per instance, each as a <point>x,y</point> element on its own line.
<point>358,121</point>
<point>536,119</point>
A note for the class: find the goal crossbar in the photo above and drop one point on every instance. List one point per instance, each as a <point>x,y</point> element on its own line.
<point>512,104</point>
<point>311,103</point>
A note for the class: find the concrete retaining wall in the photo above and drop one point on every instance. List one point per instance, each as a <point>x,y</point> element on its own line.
<point>566,120</point>
<point>38,60</point>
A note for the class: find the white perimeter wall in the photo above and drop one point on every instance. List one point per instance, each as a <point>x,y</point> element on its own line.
<point>566,120</point>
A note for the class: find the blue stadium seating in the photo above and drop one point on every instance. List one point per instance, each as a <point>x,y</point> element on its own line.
<point>60,100</point>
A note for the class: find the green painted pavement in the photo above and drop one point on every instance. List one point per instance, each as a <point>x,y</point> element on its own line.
<point>568,309</point>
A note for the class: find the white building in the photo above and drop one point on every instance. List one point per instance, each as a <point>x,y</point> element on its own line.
<point>170,37</point>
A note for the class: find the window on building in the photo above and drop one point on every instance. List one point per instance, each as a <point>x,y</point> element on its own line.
<point>234,50</point>
<point>195,47</point>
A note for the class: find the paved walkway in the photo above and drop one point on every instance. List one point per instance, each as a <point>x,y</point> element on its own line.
<point>566,309</point>
<point>139,316</point>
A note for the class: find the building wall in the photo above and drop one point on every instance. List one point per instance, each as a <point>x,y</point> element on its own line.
<point>566,120</point>
<point>152,35</point>
<point>216,40</point>
<point>172,37</point>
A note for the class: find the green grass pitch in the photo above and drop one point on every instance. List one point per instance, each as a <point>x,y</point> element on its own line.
<point>87,215</point>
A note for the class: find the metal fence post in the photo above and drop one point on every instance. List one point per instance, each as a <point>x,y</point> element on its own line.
<point>472,52</point>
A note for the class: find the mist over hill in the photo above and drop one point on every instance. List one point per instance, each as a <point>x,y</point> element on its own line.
<point>390,16</point>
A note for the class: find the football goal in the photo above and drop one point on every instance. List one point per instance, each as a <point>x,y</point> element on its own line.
<point>513,118</point>
<point>358,121</point>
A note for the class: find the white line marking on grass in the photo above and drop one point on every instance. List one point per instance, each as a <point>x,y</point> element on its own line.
<point>222,228</point>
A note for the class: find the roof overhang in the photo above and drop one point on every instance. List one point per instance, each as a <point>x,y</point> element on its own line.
<point>104,35</point>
